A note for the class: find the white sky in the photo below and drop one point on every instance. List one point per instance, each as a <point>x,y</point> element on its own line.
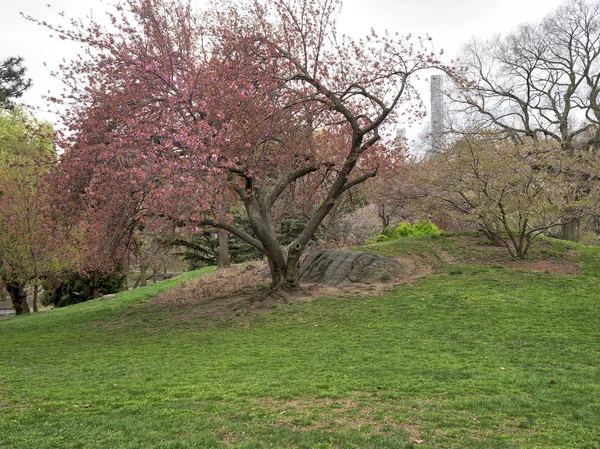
<point>451,23</point>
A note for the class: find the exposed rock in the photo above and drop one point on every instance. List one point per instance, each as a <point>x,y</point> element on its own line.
<point>340,267</point>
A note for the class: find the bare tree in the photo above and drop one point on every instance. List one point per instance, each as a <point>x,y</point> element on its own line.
<point>541,81</point>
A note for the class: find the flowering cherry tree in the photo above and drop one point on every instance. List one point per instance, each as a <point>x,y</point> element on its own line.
<point>176,117</point>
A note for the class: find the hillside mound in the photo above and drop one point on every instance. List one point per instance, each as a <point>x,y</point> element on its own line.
<point>332,273</point>
<point>228,291</point>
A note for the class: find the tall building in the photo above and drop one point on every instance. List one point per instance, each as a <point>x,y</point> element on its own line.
<point>437,114</point>
<point>401,133</point>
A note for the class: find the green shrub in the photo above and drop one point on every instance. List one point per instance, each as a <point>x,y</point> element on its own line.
<point>380,238</point>
<point>402,230</point>
<point>74,288</point>
<point>420,228</point>
<point>425,228</point>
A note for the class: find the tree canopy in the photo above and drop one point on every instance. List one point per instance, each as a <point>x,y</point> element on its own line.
<point>539,83</point>
<point>542,80</point>
<point>256,105</point>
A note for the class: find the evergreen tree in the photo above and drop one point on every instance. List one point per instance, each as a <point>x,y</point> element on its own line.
<point>13,82</point>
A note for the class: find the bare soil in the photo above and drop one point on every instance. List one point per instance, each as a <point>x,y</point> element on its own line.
<point>549,266</point>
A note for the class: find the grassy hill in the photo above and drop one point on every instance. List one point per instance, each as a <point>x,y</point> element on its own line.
<point>483,353</point>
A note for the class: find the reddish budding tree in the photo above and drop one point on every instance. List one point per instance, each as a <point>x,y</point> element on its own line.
<point>175,116</point>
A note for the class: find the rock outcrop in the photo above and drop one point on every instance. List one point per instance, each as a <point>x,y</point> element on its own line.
<point>338,268</point>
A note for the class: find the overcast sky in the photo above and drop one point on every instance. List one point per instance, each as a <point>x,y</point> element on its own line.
<point>450,23</point>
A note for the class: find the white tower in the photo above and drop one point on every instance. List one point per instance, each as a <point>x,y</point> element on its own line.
<point>437,114</point>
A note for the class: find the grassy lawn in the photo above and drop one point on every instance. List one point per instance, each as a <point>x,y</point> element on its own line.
<point>473,356</point>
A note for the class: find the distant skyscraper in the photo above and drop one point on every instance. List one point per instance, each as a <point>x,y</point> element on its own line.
<point>437,113</point>
<point>401,133</point>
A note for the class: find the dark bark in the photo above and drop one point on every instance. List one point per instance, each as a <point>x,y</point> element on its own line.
<point>223,249</point>
<point>570,231</point>
<point>142,279</point>
<point>286,277</point>
<point>223,242</point>
<point>16,291</point>
<point>95,286</point>
<point>36,288</point>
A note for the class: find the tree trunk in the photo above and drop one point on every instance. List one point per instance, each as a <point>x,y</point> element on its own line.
<point>284,263</point>
<point>570,230</point>
<point>223,249</point>
<point>277,276</point>
<point>36,288</point>
<point>142,279</point>
<point>292,272</point>
<point>17,294</point>
<point>223,240</point>
<point>285,276</point>
<point>95,286</point>
<point>127,272</point>
<point>385,218</point>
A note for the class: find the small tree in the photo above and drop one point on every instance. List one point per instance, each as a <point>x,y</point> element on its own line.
<point>27,250</point>
<point>513,193</point>
<point>151,252</point>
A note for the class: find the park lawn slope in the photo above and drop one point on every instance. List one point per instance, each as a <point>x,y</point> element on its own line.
<point>473,356</point>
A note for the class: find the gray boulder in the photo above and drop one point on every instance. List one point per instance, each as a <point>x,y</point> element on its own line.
<point>338,268</point>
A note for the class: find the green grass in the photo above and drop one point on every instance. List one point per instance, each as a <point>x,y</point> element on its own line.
<point>472,357</point>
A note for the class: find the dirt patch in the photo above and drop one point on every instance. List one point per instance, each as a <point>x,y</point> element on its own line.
<point>213,286</point>
<point>222,294</point>
<point>414,432</point>
<point>360,412</point>
<point>543,266</point>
